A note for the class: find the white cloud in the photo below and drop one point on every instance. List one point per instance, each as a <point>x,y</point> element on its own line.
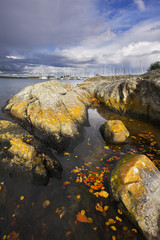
<point>140,43</point>
<point>140,4</point>
<point>14,57</point>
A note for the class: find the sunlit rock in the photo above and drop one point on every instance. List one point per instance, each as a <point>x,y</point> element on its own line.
<point>135,184</point>
<point>135,95</point>
<point>53,111</point>
<point>24,157</point>
<point>114,131</point>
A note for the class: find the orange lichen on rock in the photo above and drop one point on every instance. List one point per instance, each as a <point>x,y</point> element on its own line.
<point>19,110</point>
<point>135,182</point>
<point>22,149</point>
<point>76,112</point>
<point>114,131</point>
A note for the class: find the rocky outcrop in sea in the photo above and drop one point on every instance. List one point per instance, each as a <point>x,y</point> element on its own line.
<point>52,111</point>
<point>135,184</point>
<point>138,96</point>
<point>24,157</point>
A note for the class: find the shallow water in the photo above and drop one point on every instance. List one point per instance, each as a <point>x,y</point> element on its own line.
<point>24,213</point>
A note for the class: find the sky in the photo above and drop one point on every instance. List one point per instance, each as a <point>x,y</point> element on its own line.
<point>48,37</point>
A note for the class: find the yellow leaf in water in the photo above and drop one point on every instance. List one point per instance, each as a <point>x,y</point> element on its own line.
<point>82,212</point>
<point>133,137</point>
<point>77,180</point>
<point>114,228</point>
<point>113,237</point>
<point>62,214</point>
<point>68,233</point>
<point>99,207</point>
<point>111,221</point>
<point>94,228</point>
<point>90,220</point>
<point>80,179</point>
<point>91,190</point>
<point>96,194</point>
<point>106,208</point>
<point>102,194</point>
<point>46,203</point>
<point>21,198</point>
<point>67,154</point>
<point>66,183</point>
<point>119,219</point>
<point>4,237</point>
<point>119,211</point>
<point>78,196</point>
<point>82,218</point>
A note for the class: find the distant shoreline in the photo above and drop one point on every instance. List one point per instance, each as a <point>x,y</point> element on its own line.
<point>19,77</point>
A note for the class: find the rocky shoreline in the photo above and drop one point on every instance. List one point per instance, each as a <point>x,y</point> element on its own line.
<point>55,114</point>
<point>134,95</point>
<point>24,157</point>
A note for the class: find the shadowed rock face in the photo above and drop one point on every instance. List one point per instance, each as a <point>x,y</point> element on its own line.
<point>24,157</point>
<point>53,111</point>
<point>135,183</point>
<point>136,95</point>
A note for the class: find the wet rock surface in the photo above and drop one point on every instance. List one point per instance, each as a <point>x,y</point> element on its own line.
<point>52,111</point>
<point>24,157</point>
<point>135,95</point>
<point>135,184</point>
<point>114,131</point>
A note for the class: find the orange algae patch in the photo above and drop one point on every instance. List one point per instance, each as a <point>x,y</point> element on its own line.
<point>22,149</point>
<point>76,112</point>
<point>19,110</point>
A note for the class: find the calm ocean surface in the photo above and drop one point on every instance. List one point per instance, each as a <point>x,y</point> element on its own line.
<point>27,219</point>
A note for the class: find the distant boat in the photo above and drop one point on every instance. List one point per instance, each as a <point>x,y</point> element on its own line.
<point>44,77</point>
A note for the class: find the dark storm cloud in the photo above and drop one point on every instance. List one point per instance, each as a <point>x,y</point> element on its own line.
<point>37,23</point>
<point>10,65</point>
<point>31,26</point>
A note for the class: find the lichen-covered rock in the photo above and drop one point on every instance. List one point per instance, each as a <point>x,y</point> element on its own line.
<point>52,111</point>
<point>114,131</point>
<point>135,184</point>
<point>136,95</point>
<point>22,156</point>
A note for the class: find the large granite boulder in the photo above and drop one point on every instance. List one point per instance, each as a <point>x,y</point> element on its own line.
<point>24,157</point>
<point>53,111</point>
<point>135,95</point>
<point>135,184</point>
<point>114,131</point>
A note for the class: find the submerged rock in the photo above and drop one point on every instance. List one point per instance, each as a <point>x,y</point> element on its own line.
<point>135,95</point>
<point>24,157</point>
<point>114,131</point>
<point>53,111</point>
<point>135,184</point>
